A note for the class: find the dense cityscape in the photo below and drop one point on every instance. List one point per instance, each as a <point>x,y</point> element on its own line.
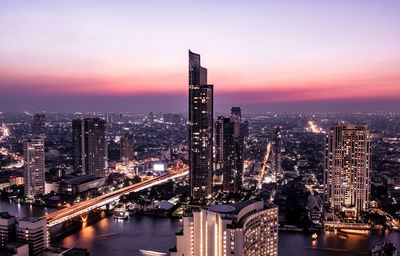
<point>232,183</point>
<point>199,128</point>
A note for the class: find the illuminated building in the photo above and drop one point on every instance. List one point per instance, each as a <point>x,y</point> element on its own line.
<point>7,228</point>
<point>347,168</point>
<point>249,228</point>
<point>201,115</point>
<point>6,131</point>
<point>33,231</point>
<point>38,124</point>
<point>238,147</point>
<point>89,137</point>
<point>228,154</point>
<point>127,148</point>
<point>276,152</point>
<point>219,143</point>
<point>34,166</point>
<point>229,149</point>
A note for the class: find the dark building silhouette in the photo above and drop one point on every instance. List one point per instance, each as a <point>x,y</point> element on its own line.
<point>228,153</point>
<point>244,129</point>
<point>127,147</point>
<point>229,150</point>
<point>236,116</point>
<point>151,117</point>
<point>238,147</point>
<point>201,118</point>
<point>219,143</point>
<point>89,138</point>
<point>276,152</point>
<point>38,124</point>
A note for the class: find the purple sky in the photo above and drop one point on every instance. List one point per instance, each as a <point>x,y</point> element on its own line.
<point>262,55</point>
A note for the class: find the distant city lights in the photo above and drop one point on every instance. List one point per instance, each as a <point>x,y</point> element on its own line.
<point>314,128</point>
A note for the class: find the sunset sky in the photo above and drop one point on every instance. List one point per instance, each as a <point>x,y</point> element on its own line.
<point>261,55</point>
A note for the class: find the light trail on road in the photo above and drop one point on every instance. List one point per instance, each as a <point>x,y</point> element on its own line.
<point>89,205</point>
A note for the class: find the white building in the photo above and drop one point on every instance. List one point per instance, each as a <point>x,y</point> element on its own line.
<point>34,166</point>
<point>248,228</point>
<point>7,228</point>
<point>33,231</point>
<point>347,168</point>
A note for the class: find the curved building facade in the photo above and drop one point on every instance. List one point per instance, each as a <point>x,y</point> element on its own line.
<point>247,228</point>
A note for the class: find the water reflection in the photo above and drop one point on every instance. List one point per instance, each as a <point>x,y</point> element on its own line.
<point>109,237</point>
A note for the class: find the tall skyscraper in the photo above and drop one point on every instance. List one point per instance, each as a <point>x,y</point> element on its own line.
<point>238,148</point>
<point>34,166</point>
<point>347,168</point>
<point>127,148</point>
<point>249,228</point>
<point>236,116</point>
<point>229,150</point>
<point>276,152</point>
<point>228,155</point>
<point>201,118</point>
<point>219,143</point>
<point>89,138</point>
<point>38,124</point>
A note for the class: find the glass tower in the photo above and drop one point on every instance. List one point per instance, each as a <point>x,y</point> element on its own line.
<point>201,115</point>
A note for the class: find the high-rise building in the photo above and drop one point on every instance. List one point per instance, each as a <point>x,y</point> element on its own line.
<point>34,166</point>
<point>238,148</point>
<point>38,124</point>
<point>228,155</point>
<point>249,228</point>
<point>7,228</point>
<point>219,143</point>
<point>236,116</point>
<point>229,150</point>
<point>201,118</point>
<point>244,129</point>
<point>347,168</point>
<point>89,138</point>
<point>33,231</point>
<point>127,148</point>
<point>276,165</point>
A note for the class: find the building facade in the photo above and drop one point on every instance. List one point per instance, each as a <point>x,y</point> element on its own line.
<point>33,231</point>
<point>347,168</point>
<point>7,228</point>
<point>276,165</point>
<point>229,150</point>
<point>34,171</point>
<point>249,228</point>
<point>219,143</point>
<point>127,152</point>
<point>201,118</point>
<point>90,147</point>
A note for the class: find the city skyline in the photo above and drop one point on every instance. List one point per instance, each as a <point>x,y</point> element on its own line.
<point>265,56</point>
<point>201,128</point>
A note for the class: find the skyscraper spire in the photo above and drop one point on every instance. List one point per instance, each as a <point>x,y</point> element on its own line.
<point>200,129</point>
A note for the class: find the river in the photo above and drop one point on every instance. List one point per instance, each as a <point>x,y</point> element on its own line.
<point>116,237</point>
